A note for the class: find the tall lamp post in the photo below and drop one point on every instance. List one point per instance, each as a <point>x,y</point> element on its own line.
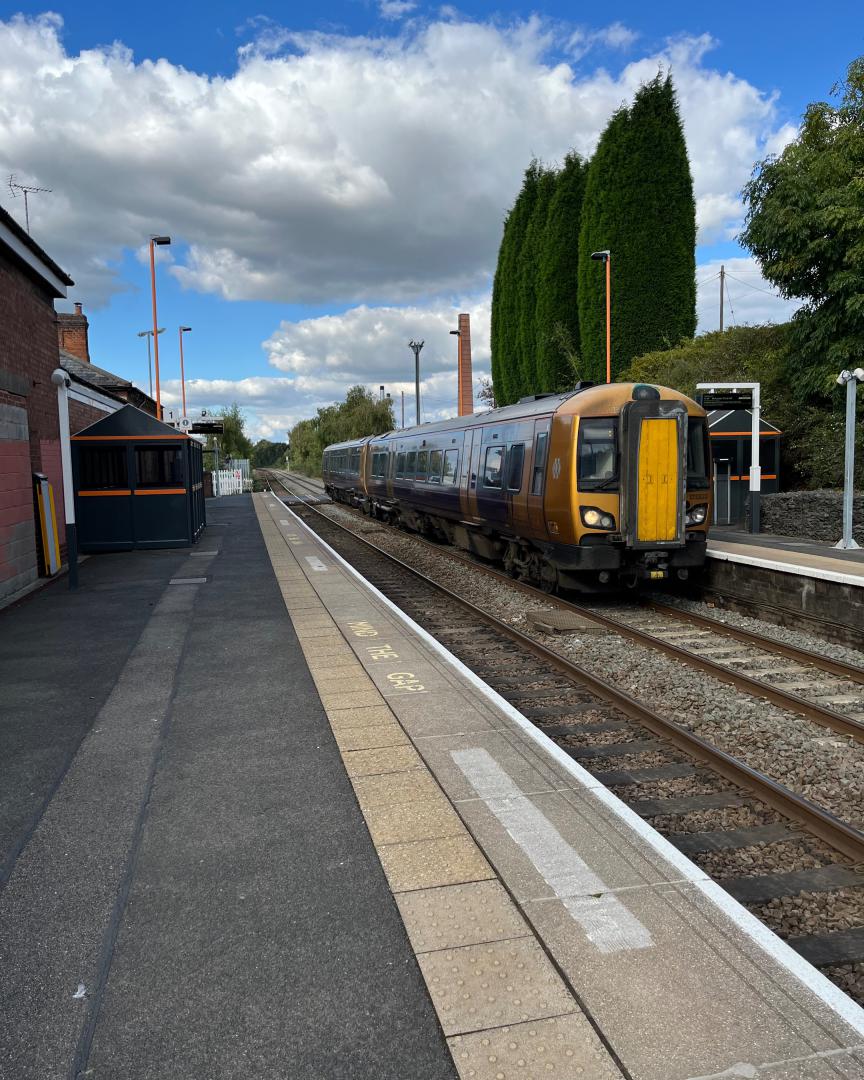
<point>416,346</point>
<point>183,330</point>
<point>850,379</point>
<point>149,334</point>
<point>606,257</point>
<point>154,241</point>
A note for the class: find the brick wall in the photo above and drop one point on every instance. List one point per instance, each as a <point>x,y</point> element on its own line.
<point>18,562</point>
<point>81,416</point>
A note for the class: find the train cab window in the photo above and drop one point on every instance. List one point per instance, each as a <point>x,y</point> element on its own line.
<point>598,454</point>
<point>697,453</point>
<point>410,464</point>
<point>159,467</point>
<point>422,457</point>
<point>435,466</point>
<point>541,448</point>
<point>451,466</point>
<point>515,461</point>
<point>493,466</point>
<point>101,468</point>
<point>400,466</point>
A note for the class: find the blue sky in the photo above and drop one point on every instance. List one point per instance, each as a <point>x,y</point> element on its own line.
<point>335,176</point>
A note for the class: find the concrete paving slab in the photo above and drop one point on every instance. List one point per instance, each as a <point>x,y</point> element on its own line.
<point>370,738</point>
<point>389,788</point>
<point>381,760</point>
<point>429,864</point>
<point>354,700</point>
<point>459,915</point>
<point>712,975</point>
<point>367,716</point>
<point>564,1046</point>
<point>425,819</point>
<point>444,713</point>
<point>497,983</point>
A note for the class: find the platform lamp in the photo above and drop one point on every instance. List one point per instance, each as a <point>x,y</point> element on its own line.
<point>183,330</point>
<point>161,241</point>
<point>850,380</point>
<point>605,256</point>
<point>149,334</point>
<point>415,347</point>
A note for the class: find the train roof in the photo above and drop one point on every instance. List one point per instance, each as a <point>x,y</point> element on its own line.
<point>595,400</point>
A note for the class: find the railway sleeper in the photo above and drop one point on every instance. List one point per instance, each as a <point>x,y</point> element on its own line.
<point>837,947</point>
<point>759,890</point>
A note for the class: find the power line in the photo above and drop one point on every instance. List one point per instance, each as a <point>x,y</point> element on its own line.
<point>756,288</point>
<point>729,298</point>
<point>707,281</point>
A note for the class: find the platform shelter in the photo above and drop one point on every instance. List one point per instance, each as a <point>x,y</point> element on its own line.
<point>731,447</point>
<point>138,484</point>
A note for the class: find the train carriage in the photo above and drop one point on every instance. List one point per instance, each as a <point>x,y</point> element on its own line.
<point>593,489</point>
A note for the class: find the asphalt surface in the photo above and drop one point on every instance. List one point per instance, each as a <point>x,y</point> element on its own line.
<point>191,888</point>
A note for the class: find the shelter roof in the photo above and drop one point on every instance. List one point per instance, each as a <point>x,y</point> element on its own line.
<point>129,423</point>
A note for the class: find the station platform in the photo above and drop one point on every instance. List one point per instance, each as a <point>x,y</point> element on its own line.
<point>805,558</point>
<point>256,824</point>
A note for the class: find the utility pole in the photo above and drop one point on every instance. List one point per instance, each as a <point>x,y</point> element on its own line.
<point>851,380</point>
<point>722,287</point>
<point>416,346</point>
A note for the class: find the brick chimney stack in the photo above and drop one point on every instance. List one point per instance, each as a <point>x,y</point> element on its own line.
<point>72,330</point>
<point>465,380</point>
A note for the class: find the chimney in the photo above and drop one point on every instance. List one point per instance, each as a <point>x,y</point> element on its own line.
<point>466,389</point>
<point>72,333</point>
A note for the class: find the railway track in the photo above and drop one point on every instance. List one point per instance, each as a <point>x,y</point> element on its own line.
<point>790,861</point>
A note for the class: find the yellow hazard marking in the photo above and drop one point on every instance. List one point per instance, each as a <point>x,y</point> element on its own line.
<point>657,518</point>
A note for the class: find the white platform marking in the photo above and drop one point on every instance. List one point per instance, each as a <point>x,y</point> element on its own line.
<point>315,562</point>
<point>606,921</point>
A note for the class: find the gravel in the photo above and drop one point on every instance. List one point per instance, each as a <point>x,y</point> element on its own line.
<point>781,857</point>
<point>825,768</point>
<point>812,912</point>
<point>729,817</point>
<point>849,977</point>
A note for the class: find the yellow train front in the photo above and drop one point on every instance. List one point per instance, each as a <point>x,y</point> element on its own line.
<point>592,490</point>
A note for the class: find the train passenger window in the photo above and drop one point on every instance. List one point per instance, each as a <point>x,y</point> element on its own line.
<point>515,461</point>
<point>451,466</point>
<point>421,464</point>
<point>101,468</point>
<point>598,454</point>
<point>400,465</point>
<point>541,448</point>
<point>493,465</point>
<point>697,453</point>
<point>435,466</point>
<point>410,464</point>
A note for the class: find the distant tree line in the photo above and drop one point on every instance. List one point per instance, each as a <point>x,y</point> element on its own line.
<point>361,413</point>
<point>635,198</point>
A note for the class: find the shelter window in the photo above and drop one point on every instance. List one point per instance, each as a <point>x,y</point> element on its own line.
<point>493,466</point>
<point>159,466</point>
<point>411,464</point>
<point>451,466</point>
<point>697,452</point>
<point>598,454</point>
<point>435,466</point>
<point>541,447</point>
<point>421,464</point>
<point>400,465</point>
<point>515,461</point>
<point>101,468</point>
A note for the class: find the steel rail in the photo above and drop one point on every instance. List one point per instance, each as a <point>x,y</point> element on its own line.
<point>784,699</point>
<point>818,821</point>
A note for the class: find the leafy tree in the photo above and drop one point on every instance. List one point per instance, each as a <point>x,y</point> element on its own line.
<point>485,393</point>
<point>639,204</point>
<point>557,311</point>
<point>805,225</point>
<point>361,413</point>
<point>527,270</point>
<point>265,454</point>
<point>506,292</point>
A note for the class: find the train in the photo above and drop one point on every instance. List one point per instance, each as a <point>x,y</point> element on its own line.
<point>601,488</point>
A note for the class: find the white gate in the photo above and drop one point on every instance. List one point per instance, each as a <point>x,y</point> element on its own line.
<point>228,482</point>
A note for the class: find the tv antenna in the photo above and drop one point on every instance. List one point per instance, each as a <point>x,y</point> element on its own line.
<point>25,190</point>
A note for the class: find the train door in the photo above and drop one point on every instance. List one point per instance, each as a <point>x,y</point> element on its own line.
<point>722,491</point>
<point>469,471</point>
<point>537,477</point>
<point>491,482</point>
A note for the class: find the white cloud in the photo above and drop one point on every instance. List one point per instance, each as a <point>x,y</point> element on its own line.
<point>327,168</point>
<point>395,9</point>
<point>614,36</point>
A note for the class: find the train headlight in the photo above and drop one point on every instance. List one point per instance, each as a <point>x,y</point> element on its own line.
<point>696,514</point>
<point>597,519</point>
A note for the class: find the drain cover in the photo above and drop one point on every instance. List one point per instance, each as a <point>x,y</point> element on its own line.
<point>562,622</point>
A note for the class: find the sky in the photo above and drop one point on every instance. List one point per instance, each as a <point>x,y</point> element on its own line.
<point>335,176</point>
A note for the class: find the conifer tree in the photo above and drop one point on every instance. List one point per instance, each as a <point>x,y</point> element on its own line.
<point>557,312</point>
<point>530,255</point>
<point>639,204</point>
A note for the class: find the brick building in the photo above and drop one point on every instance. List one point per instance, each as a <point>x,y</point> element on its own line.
<point>34,341</point>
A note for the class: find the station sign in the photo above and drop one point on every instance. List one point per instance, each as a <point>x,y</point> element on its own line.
<point>726,399</point>
<point>207,427</point>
